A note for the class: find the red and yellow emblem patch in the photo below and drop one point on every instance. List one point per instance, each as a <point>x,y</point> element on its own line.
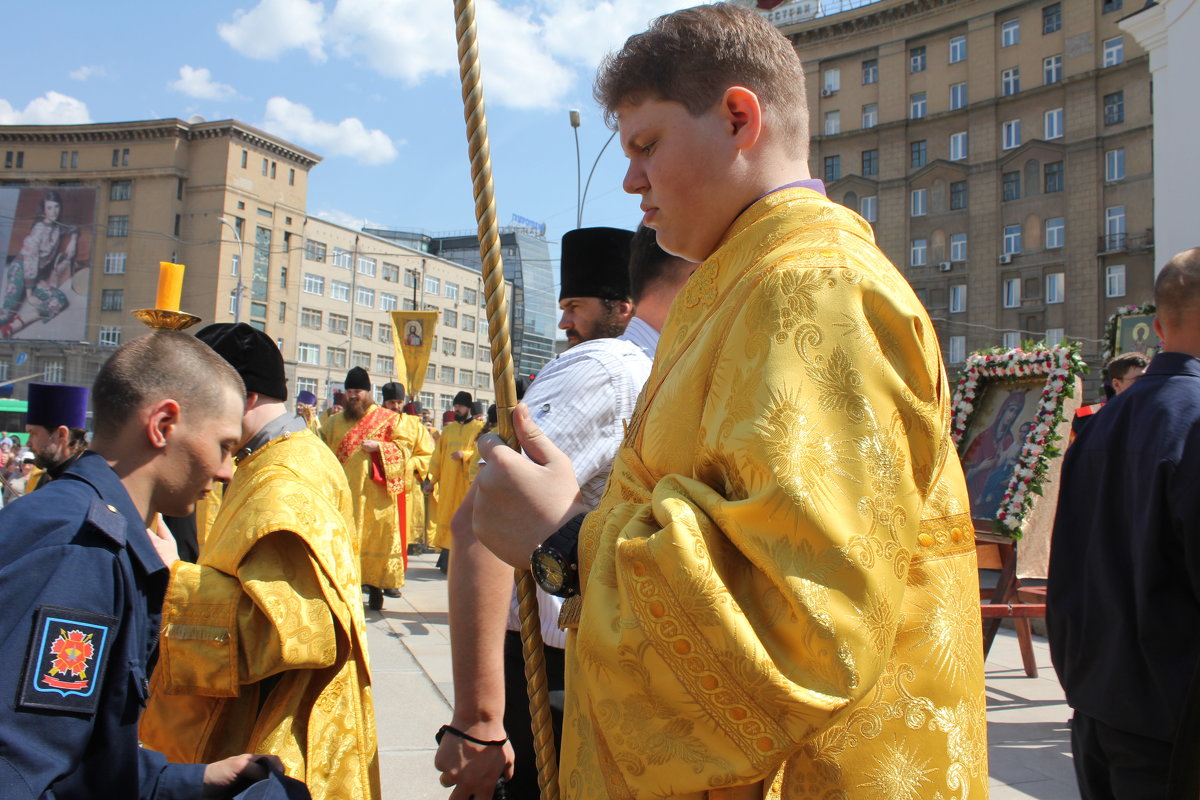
<point>68,649</point>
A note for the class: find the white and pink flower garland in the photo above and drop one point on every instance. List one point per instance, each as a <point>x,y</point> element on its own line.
<point>1059,365</point>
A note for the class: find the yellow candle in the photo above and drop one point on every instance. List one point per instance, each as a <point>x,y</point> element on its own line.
<point>170,286</point>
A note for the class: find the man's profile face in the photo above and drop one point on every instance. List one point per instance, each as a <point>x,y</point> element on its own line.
<point>1132,374</point>
<point>199,451</point>
<point>681,166</point>
<point>587,318</point>
<point>48,449</point>
<point>394,405</point>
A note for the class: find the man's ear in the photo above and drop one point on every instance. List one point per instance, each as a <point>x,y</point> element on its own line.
<point>161,421</point>
<point>743,112</point>
<point>62,434</point>
<point>251,400</point>
<point>1158,328</point>
<point>624,308</point>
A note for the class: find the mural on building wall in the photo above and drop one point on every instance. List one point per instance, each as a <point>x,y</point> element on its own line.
<point>46,235</point>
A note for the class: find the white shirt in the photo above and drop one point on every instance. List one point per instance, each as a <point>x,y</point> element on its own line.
<point>582,400</point>
<point>640,333</point>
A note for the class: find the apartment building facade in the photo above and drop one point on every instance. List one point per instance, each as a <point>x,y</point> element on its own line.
<point>1001,151</point>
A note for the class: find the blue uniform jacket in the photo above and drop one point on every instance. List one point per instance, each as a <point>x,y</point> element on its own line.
<point>81,588</point>
<point>1124,591</point>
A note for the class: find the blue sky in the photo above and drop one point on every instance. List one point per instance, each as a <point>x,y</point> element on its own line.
<point>371,85</point>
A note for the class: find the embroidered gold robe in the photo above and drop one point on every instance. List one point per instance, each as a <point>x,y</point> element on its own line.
<point>263,648</point>
<point>452,478</point>
<point>779,583</point>
<point>404,451</point>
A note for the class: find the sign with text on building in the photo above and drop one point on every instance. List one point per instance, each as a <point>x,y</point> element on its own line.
<point>46,236</point>
<point>412,335</point>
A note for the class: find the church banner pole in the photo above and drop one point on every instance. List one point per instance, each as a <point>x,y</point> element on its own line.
<point>502,372</point>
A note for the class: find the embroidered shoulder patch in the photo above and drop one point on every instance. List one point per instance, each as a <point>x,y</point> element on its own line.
<point>68,652</point>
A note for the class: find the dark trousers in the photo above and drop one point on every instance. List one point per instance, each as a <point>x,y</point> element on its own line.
<point>1112,764</point>
<point>524,784</point>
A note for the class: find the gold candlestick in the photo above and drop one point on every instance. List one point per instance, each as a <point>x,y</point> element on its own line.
<point>161,319</point>
<point>167,316</point>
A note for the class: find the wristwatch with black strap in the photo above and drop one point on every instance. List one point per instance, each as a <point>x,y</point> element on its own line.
<point>555,563</point>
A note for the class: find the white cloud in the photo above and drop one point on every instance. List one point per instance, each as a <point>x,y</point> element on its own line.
<point>198,83</point>
<point>87,71</point>
<point>51,108</point>
<point>346,220</point>
<point>533,53</point>
<point>275,26</point>
<point>346,138</point>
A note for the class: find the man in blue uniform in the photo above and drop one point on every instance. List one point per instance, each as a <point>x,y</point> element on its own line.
<point>82,581</point>
<point>1125,565</point>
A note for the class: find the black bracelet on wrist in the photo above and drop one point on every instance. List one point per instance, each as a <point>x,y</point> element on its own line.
<point>442,731</point>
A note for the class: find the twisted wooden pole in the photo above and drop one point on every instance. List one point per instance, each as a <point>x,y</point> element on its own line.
<point>502,372</point>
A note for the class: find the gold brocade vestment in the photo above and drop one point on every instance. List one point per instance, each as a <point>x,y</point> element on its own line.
<point>263,648</point>
<point>452,477</point>
<point>404,452</point>
<point>779,586</point>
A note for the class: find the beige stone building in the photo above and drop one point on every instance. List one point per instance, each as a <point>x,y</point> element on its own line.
<point>1002,151</point>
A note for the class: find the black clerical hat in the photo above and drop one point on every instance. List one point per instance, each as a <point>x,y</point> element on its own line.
<point>251,353</point>
<point>393,391</point>
<point>357,378</point>
<point>53,404</point>
<point>595,263</point>
<point>462,399</point>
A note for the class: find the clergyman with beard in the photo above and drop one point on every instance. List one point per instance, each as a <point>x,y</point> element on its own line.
<point>56,422</point>
<point>450,469</point>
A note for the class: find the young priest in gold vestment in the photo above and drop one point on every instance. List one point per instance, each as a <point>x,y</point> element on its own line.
<point>777,595</point>
<point>263,644</point>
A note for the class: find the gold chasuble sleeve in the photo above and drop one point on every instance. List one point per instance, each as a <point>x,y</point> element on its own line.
<point>779,583</point>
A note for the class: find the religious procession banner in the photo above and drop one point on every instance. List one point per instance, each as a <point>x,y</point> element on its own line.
<point>412,335</point>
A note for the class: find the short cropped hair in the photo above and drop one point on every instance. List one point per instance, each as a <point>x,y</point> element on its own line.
<point>693,56</point>
<point>1177,288</point>
<point>648,263</point>
<point>1119,367</point>
<point>164,364</point>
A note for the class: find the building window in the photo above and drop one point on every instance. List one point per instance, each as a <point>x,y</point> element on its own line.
<point>450,318</point>
<point>956,353</point>
<point>120,190</point>
<point>918,252</point>
<point>833,168</point>
<point>447,375</point>
<point>433,285</point>
<point>118,225</point>
<point>1011,134</point>
<point>468,323</point>
<point>314,284</point>
<point>342,258</point>
<point>1012,292</point>
<point>917,152</point>
<point>366,266</point>
<point>1055,180</point>
<point>385,365</point>
<point>1054,336</point>
<point>916,202</point>
<point>264,167</point>
<point>314,250</point>
<point>1056,287</point>
<point>364,329</point>
<point>1114,281</point>
<point>867,208</point>
<point>410,278</point>
<point>470,297</point>
<point>52,371</point>
<point>958,298</point>
<point>388,302</point>
<point>361,358</point>
<point>958,49</point>
<point>336,357</point>
<point>467,350</point>
<point>1051,18</point>
<point>870,71</point>
<point>958,195</point>
<point>1012,240</point>
<point>1010,33</point>
<point>258,310</point>
<point>1114,228</point>
<point>1114,51</point>
<point>114,263</point>
<point>306,385</point>
<point>235,264</point>
<point>958,146</point>
<point>1052,69</point>
<point>1114,164</point>
<point>1011,182</point>
<point>466,377</point>
<point>916,106</point>
<point>1114,108</point>
<point>870,162</point>
<point>1110,5</point>
<point>958,247</point>
<point>1010,81</point>
<point>407,304</point>
<point>1053,124</point>
<point>833,122</point>
<point>16,159</point>
<point>916,59</point>
<point>339,324</point>
<point>870,115</point>
<point>1010,340</point>
<point>176,225</point>
<point>391,273</point>
<point>339,290</point>
<point>112,299</point>
<point>1056,233</point>
<point>282,312</point>
<point>310,318</point>
<point>832,80</point>
<point>365,297</point>
<point>110,336</point>
<point>308,353</point>
<point>385,334</point>
<point>958,96</point>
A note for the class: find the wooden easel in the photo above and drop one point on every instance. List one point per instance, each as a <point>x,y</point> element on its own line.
<point>1008,598</point>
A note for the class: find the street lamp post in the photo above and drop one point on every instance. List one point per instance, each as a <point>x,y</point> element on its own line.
<point>237,297</point>
<point>581,196</point>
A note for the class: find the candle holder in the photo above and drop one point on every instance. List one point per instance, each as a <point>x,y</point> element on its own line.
<point>160,319</point>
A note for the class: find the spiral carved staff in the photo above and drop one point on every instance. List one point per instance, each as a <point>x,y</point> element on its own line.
<point>502,372</point>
